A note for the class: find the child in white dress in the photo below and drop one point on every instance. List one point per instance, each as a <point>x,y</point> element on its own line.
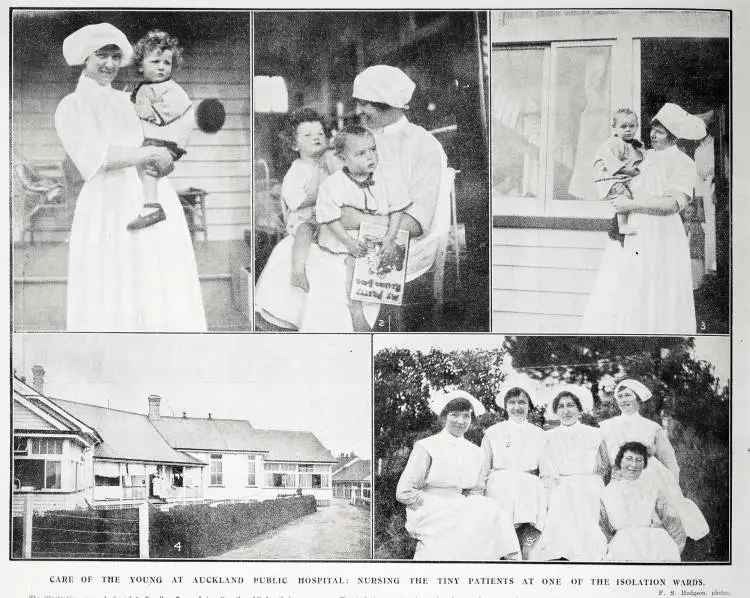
<point>305,135</point>
<point>362,186</point>
<point>164,108</point>
<point>616,162</point>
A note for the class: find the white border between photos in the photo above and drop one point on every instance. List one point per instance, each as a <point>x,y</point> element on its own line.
<point>26,579</point>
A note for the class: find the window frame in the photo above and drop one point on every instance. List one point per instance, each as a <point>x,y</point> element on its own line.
<point>45,474</point>
<point>216,459</point>
<point>252,476</point>
<point>547,206</point>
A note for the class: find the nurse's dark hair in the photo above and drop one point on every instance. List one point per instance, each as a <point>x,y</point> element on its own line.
<point>514,392</point>
<point>670,135</point>
<point>340,141</point>
<point>563,395</point>
<point>634,447</point>
<point>156,39</point>
<point>378,105</point>
<point>295,119</point>
<point>457,404</point>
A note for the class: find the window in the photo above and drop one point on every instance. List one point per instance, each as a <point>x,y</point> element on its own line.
<point>20,446</point>
<point>100,480</point>
<point>38,474</point>
<point>178,476</point>
<point>270,94</point>
<point>46,446</point>
<point>281,475</point>
<point>251,470</point>
<point>217,473</point>
<point>551,110</point>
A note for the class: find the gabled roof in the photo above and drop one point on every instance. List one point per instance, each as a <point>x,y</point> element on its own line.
<point>126,436</point>
<point>356,471</point>
<point>186,433</point>
<point>51,416</point>
<point>228,435</point>
<point>283,445</point>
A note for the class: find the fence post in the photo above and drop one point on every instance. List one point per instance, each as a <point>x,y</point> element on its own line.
<point>143,536</point>
<point>28,521</point>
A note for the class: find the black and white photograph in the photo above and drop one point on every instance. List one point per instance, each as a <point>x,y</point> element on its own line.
<point>611,171</point>
<point>131,198</point>
<point>552,449</point>
<point>376,118</point>
<point>223,447</point>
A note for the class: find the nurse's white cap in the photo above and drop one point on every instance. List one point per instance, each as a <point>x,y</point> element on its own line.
<point>582,393</point>
<point>522,381</point>
<point>439,399</point>
<point>383,84</point>
<point>80,44</point>
<point>680,123</point>
<point>640,389</point>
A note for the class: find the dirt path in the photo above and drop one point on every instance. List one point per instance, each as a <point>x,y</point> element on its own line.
<point>337,532</point>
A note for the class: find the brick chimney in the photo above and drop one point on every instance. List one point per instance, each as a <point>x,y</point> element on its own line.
<point>38,372</point>
<point>154,403</point>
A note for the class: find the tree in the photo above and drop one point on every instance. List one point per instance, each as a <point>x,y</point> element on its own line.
<point>684,388</point>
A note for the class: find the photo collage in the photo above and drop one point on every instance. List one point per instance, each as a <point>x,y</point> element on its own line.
<point>371,286</point>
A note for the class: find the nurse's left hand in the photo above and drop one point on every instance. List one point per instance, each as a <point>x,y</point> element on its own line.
<point>622,205</point>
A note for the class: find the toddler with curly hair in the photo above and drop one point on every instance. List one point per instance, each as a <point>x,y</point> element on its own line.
<point>164,108</point>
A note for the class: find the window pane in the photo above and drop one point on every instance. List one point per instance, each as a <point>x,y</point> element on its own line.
<point>580,118</point>
<point>517,104</point>
<point>53,477</point>
<point>216,470</point>
<point>29,473</point>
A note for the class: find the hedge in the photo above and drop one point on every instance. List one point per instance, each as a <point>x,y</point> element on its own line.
<point>199,531</point>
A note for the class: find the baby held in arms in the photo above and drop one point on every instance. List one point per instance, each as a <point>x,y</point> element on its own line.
<point>616,163</point>
<point>364,186</point>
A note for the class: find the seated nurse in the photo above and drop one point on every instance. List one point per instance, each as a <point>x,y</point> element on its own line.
<point>441,488</point>
<point>512,449</point>
<point>406,151</point>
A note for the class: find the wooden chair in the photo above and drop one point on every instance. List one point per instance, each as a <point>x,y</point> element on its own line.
<point>268,209</point>
<point>42,186</point>
<point>447,231</point>
<point>193,201</point>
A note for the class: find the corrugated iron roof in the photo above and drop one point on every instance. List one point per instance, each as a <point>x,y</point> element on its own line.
<point>357,471</point>
<point>238,435</point>
<point>126,436</point>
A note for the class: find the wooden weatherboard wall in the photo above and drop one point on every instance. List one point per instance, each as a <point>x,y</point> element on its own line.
<point>542,278</point>
<point>218,163</point>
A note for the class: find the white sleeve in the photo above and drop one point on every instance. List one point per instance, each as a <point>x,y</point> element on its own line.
<point>328,206</point>
<point>81,136</point>
<point>682,180</point>
<point>293,187</point>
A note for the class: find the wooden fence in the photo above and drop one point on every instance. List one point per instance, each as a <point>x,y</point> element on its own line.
<point>94,534</point>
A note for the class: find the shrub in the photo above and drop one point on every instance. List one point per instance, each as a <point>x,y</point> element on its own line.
<point>199,531</point>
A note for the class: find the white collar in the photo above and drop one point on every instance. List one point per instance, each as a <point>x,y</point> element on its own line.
<point>448,437</point>
<point>569,429</point>
<point>395,127</point>
<point>90,87</point>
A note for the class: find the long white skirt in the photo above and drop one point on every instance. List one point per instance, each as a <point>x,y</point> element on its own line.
<point>459,528</point>
<point>325,308</point>
<point>646,286</point>
<point>643,545</point>
<point>695,524</point>
<point>520,494</point>
<point>572,528</point>
<point>124,281</point>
